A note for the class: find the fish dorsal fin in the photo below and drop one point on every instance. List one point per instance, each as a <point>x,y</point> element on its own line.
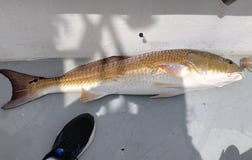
<point>174,69</point>
<point>97,63</point>
<point>87,96</point>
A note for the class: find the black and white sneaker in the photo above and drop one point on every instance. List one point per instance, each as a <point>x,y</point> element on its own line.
<point>73,139</point>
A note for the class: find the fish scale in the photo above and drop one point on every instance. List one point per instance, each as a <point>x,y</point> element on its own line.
<point>164,73</point>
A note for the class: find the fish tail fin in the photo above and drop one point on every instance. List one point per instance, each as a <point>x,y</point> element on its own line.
<point>21,92</point>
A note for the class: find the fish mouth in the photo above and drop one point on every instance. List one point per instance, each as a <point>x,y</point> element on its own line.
<point>241,73</point>
<point>236,75</point>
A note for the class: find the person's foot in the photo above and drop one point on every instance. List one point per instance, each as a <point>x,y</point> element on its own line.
<point>228,2</point>
<point>73,139</point>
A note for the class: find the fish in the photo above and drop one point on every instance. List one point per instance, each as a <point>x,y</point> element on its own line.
<point>165,73</point>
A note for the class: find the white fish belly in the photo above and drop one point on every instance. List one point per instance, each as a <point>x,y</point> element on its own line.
<point>139,85</point>
<point>146,84</point>
<point>149,84</point>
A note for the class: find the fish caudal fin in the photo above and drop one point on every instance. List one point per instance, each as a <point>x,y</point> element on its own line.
<point>21,93</point>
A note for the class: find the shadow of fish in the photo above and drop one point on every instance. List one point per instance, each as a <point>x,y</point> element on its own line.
<point>160,74</point>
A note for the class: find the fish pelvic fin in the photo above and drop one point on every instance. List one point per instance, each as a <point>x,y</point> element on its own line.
<point>165,95</point>
<point>21,92</point>
<point>167,85</point>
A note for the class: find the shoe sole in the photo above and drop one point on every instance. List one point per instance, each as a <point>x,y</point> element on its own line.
<point>90,139</point>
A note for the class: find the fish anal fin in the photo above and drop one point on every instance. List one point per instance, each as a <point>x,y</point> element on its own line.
<point>175,69</point>
<point>164,95</point>
<point>167,85</point>
<point>87,96</point>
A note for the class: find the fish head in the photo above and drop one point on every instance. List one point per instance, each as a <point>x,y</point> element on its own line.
<point>215,69</point>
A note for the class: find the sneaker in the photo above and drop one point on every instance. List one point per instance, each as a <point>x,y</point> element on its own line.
<point>73,139</point>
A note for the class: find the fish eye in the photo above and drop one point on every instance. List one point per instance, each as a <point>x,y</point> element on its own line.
<point>229,61</point>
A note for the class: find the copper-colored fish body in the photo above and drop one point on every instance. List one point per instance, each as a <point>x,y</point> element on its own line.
<point>161,73</point>
<point>171,64</point>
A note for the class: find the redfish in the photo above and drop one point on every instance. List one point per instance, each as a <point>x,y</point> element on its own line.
<point>159,74</point>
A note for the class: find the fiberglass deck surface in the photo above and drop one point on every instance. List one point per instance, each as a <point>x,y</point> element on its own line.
<point>213,124</point>
<point>207,125</point>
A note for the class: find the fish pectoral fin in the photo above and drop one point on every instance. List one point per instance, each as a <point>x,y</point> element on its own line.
<point>89,96</point>
<point>175,69</point>
<point>164,95</point>
<point>167,85</point>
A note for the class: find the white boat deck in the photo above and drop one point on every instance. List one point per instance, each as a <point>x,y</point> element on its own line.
<point>207,125</point>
